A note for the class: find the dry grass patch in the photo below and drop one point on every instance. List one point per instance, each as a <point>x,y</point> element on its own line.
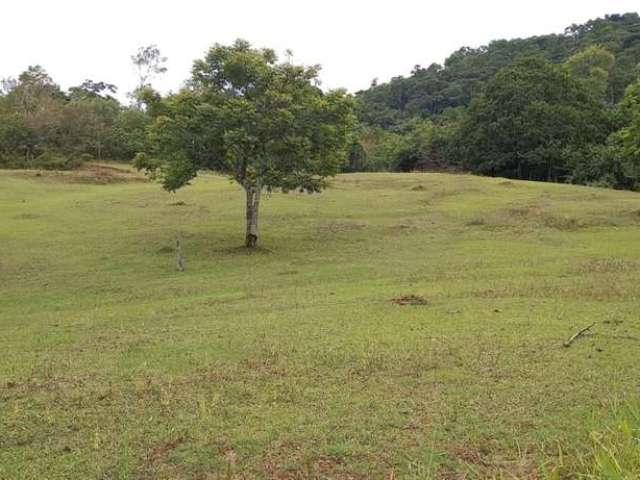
<point>608,265</point>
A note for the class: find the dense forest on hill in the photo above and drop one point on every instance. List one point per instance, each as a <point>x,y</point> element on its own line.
<point>552,107</point>
<point>429,91</point>
<point>559,107</point>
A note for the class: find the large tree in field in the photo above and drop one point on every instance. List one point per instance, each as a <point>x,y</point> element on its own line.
<point>265,124</point>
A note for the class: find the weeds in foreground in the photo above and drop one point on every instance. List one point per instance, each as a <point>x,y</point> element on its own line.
<point>614,453</point>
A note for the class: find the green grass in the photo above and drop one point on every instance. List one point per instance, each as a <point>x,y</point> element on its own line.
<point>615,454</point>
<point>292,361</point>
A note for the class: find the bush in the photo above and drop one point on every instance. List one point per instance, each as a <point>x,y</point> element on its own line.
<point>605,166</point>
<point>11,161</point>
<point>414,145</point>
<point>54,161</point>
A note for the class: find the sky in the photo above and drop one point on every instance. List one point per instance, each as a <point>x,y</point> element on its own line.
<point>355,41</point>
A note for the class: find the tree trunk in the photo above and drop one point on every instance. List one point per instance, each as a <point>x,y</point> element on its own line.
<point>253,203</point>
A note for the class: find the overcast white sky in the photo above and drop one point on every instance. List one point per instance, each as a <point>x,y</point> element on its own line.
<point>354,41</point>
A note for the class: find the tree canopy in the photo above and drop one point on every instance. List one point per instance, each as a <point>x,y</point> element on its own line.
<point>533,117</point>
<point>265,124</point>
<point>428,92</point>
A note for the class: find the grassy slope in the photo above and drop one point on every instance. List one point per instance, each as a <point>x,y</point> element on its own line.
<point>291,361</point>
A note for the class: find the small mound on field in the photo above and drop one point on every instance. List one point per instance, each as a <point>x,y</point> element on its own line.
<point>409,300</point>
<point>340,226</point>
<point>88,173</point>
<point>102,174</point>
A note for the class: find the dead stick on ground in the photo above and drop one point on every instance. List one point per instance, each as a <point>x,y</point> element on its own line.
<point>577,335</point>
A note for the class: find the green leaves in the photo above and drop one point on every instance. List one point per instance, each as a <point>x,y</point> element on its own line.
<point>592,66</point>
<point>532,115</point>
<point>264,124</point>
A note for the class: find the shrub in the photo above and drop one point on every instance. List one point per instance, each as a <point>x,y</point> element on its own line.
<point>54,161</point>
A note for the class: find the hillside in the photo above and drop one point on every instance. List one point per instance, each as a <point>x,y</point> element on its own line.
<point>429,91</point>
<point>307,357</point>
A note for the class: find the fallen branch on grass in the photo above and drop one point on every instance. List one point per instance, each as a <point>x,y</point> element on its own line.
<point>577,335</point>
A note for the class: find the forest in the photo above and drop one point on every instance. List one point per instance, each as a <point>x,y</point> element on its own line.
<point>552,107</point>
<point>558,107</point>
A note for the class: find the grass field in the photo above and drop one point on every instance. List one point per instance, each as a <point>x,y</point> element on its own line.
<point>294,361</point>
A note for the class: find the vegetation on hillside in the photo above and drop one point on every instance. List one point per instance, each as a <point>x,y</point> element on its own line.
<point>561,108</point>
<point>554,107</point>
<point>429,91</point>
<point>43,127</point>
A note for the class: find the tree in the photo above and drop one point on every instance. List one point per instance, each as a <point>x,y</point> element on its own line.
<point>149,63</point>
<point>91,89</point>
<point>37,104</point>
<point>92,114</point>
<point>629,137</point>
<point>592,66</point>
<point>532,119</point>
<point>265,124</point>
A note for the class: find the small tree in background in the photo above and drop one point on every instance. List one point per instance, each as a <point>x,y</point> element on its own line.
<point>265,124</point>
<point>593,66</point>
<point>149,63</point>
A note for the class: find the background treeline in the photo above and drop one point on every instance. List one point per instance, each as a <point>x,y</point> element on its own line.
<point>554,107</point>
<point>560,108</point>
<point>43,127</point>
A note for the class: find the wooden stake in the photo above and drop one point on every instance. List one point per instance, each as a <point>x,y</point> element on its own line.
<point>179,255</point>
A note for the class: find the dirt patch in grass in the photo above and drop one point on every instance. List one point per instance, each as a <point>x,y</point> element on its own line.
<point>94,174</point>
<point>468,455</point>
<point>489,465</point>
<point>476,222</point>
<point>409,300</point>
<point>160,452</point>
<point>103,174</point>
<point>341,226</point>
<point>294,467</point>
<point>27,216</point>
<point>407,227</point>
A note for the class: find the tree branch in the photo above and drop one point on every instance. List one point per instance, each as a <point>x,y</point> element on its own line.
<point>577,335</point>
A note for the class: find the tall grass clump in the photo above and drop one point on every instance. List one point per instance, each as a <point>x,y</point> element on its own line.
<point>615,451</point>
